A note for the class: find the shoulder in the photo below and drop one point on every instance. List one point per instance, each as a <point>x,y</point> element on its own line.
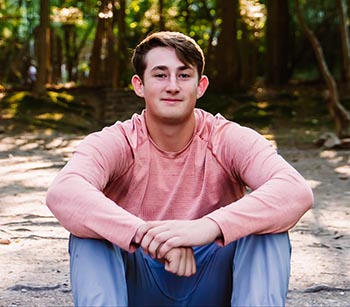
<point>213,127</point>
<point>124,135</point>
<point>227,139</point>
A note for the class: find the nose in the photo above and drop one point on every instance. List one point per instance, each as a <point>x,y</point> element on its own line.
<point>172,86</point>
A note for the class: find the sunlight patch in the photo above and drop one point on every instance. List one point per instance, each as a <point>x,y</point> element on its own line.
<point>51,116</point>
<point>313,183</point>
<point>344,169</point>
<point>328,154</point>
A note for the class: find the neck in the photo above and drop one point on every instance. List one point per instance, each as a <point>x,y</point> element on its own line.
<point>171,137</point>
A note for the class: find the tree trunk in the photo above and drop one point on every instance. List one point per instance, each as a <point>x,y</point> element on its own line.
<point>70,47</point>
<point>161,15</point>
<point>249,50</point>
<point>43,50</point>
<point>96,63</point>
<point>56,58</point>
<point>111,59</point>
<point>226,78</point>
<point>80,47</point>
<point>121,54</point>
<point>278,42</point>
<point>340,115</point>
<point>342,9</point>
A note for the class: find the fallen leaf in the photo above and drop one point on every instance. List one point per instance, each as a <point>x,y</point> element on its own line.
<point>5,241</point>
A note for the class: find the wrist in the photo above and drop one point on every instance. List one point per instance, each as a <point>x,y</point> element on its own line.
<point>213,227</point>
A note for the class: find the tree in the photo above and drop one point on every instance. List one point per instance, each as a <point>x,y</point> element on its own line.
<point>56,57</point>
<point>100,50</point>
<point>161,15</point>
<point>226,62</point>
<point>340,115</point>
<point>278,42</point>
<point>121,44</point>
<point>342,9</point>
<point>250,35</point>
<point>43,49</point>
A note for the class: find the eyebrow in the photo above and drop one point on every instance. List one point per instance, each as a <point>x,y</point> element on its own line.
<point>163,67</point>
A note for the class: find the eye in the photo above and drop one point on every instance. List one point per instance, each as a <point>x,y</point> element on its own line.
<point>184,76</point>
<point>160,75</point>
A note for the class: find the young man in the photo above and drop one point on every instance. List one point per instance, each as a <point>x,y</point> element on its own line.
<point>157,207</point>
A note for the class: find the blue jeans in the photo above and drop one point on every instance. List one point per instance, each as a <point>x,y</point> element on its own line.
<point>253,271</point>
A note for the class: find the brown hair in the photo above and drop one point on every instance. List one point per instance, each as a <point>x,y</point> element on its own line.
<point>186,49</point>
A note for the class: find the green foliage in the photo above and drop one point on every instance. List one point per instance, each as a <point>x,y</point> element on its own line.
<point>58,111</point>
<point>194,18</point>
<point>197,18</point>
<point>17,22</point>
<point>73,37</point>
<point>322,19</point>
<point>288,112</point>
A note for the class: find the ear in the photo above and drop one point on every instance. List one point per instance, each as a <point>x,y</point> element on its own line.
<point>137,84</point>
<point>202,86</point>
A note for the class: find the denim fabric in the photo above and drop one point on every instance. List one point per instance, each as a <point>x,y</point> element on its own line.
<point>253,271</point>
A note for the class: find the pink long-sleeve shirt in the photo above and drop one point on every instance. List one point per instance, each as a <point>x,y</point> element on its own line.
<point>118,178</point>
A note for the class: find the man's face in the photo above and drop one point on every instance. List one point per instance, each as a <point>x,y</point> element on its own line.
<point>170,87</point>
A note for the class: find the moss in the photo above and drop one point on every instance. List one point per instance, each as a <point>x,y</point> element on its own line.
<point>59,111</point>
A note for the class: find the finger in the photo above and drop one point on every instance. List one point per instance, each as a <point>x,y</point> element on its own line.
<point>154,239</point>
<point>193,267</point>
<point>145,243</point>
<point>181,269</point>
<point>173,259</point>
<point>187,259</point>
<point>167,245</point>
<point>168,267</point>
<point>140,232</point>
<point>157,242</point>
<point>171,265</point>
<point>148,236</point>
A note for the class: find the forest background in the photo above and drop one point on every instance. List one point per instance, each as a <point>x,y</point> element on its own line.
<point>62,60</point>
<point>280,66</point>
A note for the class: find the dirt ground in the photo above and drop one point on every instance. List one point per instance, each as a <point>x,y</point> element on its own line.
<point>34,267</point>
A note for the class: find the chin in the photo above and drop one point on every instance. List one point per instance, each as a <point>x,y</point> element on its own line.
<point>176,119</point>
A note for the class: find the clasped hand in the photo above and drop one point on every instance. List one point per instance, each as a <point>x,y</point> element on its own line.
<point>171,241</point>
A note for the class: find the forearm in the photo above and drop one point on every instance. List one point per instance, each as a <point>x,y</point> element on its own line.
<point>87,212</point>
<point>280,194</point>
<point>274,207</point>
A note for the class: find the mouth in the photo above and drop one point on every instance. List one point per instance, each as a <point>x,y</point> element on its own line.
<point>171,100</point>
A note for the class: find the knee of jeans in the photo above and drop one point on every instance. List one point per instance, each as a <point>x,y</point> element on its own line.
<point>90,246</point>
